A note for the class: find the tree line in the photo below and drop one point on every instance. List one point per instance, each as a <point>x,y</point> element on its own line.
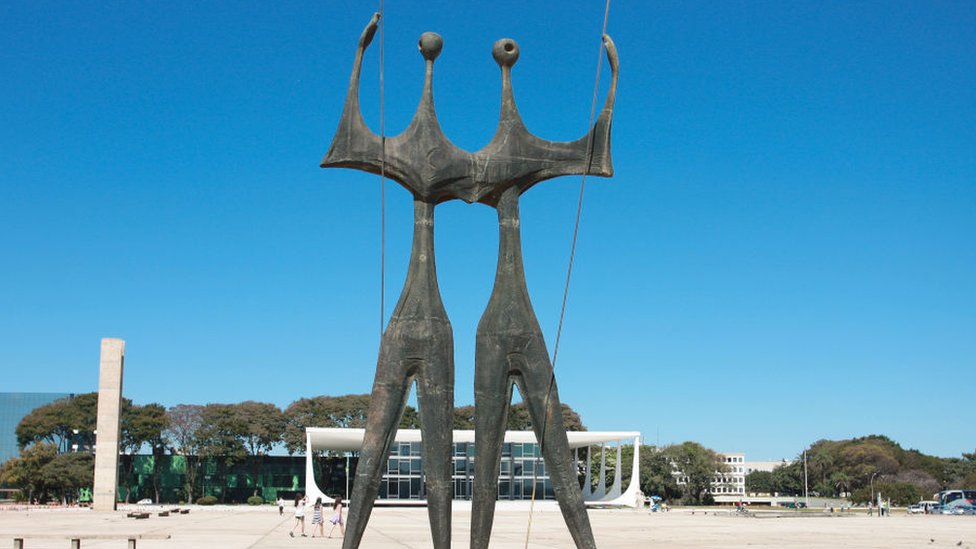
<point>225,434</point>
<point>853,468</point>
<point>246,432</point>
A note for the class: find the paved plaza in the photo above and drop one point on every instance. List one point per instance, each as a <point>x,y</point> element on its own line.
<point>405,527</point>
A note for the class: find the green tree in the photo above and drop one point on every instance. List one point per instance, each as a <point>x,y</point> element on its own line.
<point>24,472</point>
<point>519,419</point>
<point>698,466</point>
<point>142,426</point>
<point>58,421</point>
<point>219,438</point>
<point>656,472</point>
<point>464,417</point>
<point>761,482</point>
<point>68,473</point>
<point>822,463</point>
<point>181,434</point>
<point>331,411</point>
<point>788,479</point>
<point>219,434</point>
<point>841,482</point>
<point>263,426</point>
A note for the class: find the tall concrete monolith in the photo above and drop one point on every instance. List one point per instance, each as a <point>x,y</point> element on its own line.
<point>109,414</point>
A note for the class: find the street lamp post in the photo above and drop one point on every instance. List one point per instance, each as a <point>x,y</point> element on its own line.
<point>872,489</point>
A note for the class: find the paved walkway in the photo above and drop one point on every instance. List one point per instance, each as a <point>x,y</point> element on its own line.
<point>262,528</point>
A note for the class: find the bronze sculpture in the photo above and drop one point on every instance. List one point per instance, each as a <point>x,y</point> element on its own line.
<point>418,342</point>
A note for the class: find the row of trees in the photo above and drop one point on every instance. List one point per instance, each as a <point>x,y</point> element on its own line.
<point>41,472</point>
<point>225,434</point>
<point>229,434</point>
<point>852,468</point>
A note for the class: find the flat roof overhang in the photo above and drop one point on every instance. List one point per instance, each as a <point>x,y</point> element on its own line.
<point>351,440</point>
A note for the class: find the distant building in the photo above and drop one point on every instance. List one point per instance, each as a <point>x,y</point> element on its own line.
<point>730,485</point>
<point>13,408</point>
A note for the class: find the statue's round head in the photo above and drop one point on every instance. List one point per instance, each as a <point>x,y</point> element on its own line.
<point>430,45</point>
<point>505,52</point>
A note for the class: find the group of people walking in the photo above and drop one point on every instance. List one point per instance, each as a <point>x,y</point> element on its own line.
<point>318,517</point>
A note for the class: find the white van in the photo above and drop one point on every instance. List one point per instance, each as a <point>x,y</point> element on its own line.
<point>922,508</point>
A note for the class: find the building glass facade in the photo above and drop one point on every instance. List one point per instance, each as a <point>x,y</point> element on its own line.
<point>522,469</point>
<point>13,408</point>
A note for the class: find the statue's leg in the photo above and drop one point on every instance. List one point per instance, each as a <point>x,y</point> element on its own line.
<point>492,398</point>
<point>386,404</point>
<point>435,396</point>
<point>538,388</point>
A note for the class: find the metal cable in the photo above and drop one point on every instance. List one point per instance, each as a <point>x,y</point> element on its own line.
<point>569,269</point>
<point>382,179</point>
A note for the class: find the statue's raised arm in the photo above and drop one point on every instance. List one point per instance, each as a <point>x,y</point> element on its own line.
<point>354,144</point>
<point>516,157</point>
<point>421,158</point>
<point>424,161</point>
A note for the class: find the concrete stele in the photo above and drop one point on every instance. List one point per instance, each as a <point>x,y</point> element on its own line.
<point>109,412</point>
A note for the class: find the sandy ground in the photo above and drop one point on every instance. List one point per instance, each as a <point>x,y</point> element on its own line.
<point>263,528</point>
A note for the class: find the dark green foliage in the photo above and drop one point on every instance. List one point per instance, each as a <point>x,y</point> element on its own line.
<point>848,468</point>
<point>57,421</point>
<point>761,482</point>
<point>255,500</point>
<point>141,426</point>
<point>25,473</point>
<point>518,418</point>
<point>66,474</point>
<point>221,433</point>
<point>656,473</point>
<point>698,465</point>
<point>42,473</point>
<point>330,411</point>
<point>207,500</point>
<point>464,417</point>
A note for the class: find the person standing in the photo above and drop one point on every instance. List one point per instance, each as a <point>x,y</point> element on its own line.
<point>317,522</point>
<point>299,515</point>
<point>281,506</point>
<point>336,519</point>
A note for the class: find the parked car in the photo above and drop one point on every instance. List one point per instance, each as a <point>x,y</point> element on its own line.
<point>144,501</point>
<point>923,507</point>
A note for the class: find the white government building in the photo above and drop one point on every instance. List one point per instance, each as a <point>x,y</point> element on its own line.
<point>522,467</point>
<point>730,486</point>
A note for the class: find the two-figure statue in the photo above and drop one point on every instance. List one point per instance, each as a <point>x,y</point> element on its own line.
<point>418,342</point>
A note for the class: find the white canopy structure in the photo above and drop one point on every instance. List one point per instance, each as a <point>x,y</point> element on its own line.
<point>351,440</point>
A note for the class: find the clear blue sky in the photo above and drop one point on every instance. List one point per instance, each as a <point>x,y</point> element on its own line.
<point>786,252</point>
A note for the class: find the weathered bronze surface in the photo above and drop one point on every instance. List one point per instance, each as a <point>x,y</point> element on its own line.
<point>418,342</point>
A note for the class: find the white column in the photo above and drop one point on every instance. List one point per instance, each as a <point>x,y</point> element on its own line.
<point>617,474</point>
<point>105,490</point>
<point>312,490</point>
<point>587,488</point>
<point>601,487</point>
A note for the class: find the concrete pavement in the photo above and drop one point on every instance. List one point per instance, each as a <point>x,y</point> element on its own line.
<point>245,527</point>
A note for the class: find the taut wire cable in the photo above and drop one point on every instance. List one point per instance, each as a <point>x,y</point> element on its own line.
<point>569,269</point>
<point>382,180</point>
